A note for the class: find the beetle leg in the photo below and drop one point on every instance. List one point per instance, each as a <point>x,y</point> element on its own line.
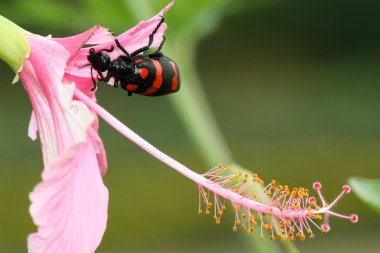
<point>162,43</point>
<point>151,37</point>
<point>123,49</point>
<point>109,50</point>
<point>107,78</point>
<point>93,80</point>
<point>101,76</point>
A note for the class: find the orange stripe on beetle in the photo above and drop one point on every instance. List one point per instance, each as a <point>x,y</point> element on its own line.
<point>175,77</point>
<point>157,81</point>
<point>131,87</point>
<point>144,73</point>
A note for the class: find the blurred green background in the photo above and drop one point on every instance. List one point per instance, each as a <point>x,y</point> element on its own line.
<point>294,87</point>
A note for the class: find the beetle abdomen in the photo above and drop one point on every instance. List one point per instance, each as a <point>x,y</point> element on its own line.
<point>157,76</point>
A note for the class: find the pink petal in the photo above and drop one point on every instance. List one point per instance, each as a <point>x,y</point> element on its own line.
<point>52,100</point>
<point>95,35</point>
<point>33,127</point>
<point>98,147</point>
<point>70,205</point>
<point>131,40</point>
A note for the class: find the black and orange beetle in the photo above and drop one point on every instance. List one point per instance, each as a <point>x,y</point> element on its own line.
<point>149,75</point>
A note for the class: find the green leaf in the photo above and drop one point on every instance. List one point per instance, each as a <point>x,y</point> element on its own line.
<point>367,190</point>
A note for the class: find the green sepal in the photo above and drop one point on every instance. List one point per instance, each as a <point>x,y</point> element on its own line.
<point>14,46</point>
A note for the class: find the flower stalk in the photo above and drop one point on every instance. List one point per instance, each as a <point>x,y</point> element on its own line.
<point>294,210</point>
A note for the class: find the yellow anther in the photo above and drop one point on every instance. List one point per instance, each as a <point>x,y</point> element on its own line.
<point>243,215</point>
<point>308,231</point>
<point>272,238</point>
<point>267,227</point>
<point>318,217</point>
<point>262,238</point>
<point>246,176</point>
<point>234,228</point>
<point>209,204</point>
<point>200,212</point>
<point>312,236</point>
<point>271,209</point>
<point>238,207</point>
<point>207,212</point>
<point>238,221</point>
<point>220,212</point>
<point>244,227</point>
<point>279,236</point>
<point>217,221</point>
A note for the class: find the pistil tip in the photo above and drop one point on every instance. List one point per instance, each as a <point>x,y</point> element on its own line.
<point>354,218</point>
<point>317,185</point>
<point>312,200</point>
<point>325,228</point>
<point>346,188</point>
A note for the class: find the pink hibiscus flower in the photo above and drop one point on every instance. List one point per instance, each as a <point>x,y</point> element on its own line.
<point>69,205</point>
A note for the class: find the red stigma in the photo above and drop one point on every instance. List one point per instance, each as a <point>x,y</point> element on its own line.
<point>354,218</point>
<point>317,185</point>
<point>347,188</point>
